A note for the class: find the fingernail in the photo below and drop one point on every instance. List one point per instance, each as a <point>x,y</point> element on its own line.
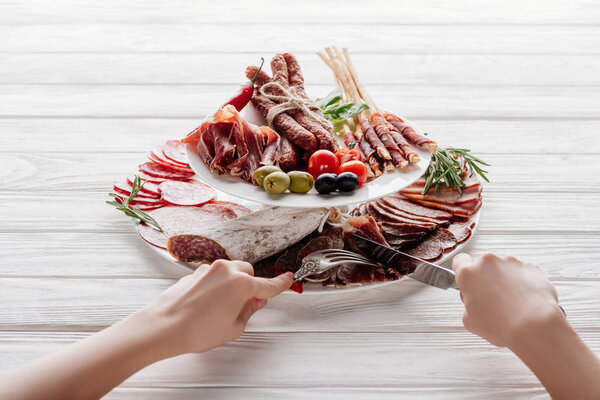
<point>260,303</point>
<point>289,274</point>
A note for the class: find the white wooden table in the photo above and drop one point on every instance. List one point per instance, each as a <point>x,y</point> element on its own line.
<point>87,87</point>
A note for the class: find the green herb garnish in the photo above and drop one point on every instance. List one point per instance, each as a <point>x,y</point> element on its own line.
<point>447,166</point>
<point>338,113</point>
<point>123,205</point>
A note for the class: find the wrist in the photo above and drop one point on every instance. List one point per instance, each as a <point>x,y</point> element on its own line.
<point>530,331</point>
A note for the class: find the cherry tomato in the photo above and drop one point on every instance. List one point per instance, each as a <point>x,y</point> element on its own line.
<point>356,167</point>
<point>346,154</point>
<point>322,161</point>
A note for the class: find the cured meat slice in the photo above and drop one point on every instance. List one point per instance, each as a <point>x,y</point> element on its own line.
<point>402,203</point>
<point>401,142</point>
<point>379,124</point>
<point>471,183</point>
<point>461,230</point>
<point>314,244</point>
<point>223,209</point>
<point>252,237</point>
<point>371,136</point>
<point>410,134</point>
<point>382,215</point>
<point>175,151</point>
<point>446,238</point>
<point>145,202</point>
<point>366,226</point>
<point>459,211</point>
<point>148,178</point>
<point>190,193</point>
<point>238,209</point>
<point>399,212</point>
<point>289,259</point>
<point>149,187</point>
<point>271,146</point>
<point>430,249</point>
<point>124,188</point>
<point>401,229</point>
<point>334,233</point>
<point>353,274</point>
<point>160,171</point>
<point>176,220</point>
<point>452,198</point>
<point>156,155</point>
<point>351,141</point>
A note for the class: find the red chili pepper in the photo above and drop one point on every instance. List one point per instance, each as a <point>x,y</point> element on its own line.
<point>244,95</point>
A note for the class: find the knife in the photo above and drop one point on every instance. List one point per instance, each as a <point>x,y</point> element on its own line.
<point>425,272</point>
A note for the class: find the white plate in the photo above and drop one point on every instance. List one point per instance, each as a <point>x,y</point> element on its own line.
<point>387,183</point>
<point>318,288</point>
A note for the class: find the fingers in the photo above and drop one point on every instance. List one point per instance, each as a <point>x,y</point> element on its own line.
<point>243,266</point>
<point>461,260</point>
<point>267,288</point>
<point>251,306</point>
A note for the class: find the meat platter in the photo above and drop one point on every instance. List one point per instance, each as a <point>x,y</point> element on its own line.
<point>274,175</point>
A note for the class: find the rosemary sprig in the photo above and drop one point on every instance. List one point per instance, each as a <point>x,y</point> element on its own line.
<point>123,205</point>
<point>447,166</point>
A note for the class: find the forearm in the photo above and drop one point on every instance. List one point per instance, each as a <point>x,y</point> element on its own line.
<point>92,367</point>
<point>560,359</point>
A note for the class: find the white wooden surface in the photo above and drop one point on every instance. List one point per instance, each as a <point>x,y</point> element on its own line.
<point>87,87</point>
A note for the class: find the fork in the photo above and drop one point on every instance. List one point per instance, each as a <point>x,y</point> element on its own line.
<point>323,260</point>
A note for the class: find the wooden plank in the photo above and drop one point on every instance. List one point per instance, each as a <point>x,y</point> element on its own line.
<point>350,12</point>
<point>125,255</point>
<point>84,304</point>
<point>72,172</point>
<point>330,393</point>
<point>276,36</point>
<point>139,135</point>
<point>195,101</point>
<point>395,70</point>
<point>508,213</point>
<point>301,360</point>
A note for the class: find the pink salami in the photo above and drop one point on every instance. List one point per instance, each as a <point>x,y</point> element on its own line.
<point>175,151</point>
<point>165,173</point>
<point>148,178</point>
<point>239,209</point>
<point>176,167</point>
<point>124,188</point>
<point>177,221</point>
<point>188,193</point>
<point>149,187</point>
<point>144,202</point>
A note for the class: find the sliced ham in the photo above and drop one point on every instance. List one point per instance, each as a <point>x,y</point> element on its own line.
<point>461,211</point>
<point>429,250</point>
<point>389,206</point>
<point>410,207</point>
<point>461,230</point>
<point>470,183</point>
<point>446,238</point>
<point>382,215</point>
<point>452,198</point>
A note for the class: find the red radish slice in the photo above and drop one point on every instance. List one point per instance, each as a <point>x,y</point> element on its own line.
<point>149,187</point>
<point>189,193</point>
<point>124,188</point>
<point>159,171</point>
<point>176,220</point>
<point>175,150</point>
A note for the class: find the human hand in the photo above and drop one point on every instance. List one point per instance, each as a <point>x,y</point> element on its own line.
<point>211,306</point>
<point>503,297</point>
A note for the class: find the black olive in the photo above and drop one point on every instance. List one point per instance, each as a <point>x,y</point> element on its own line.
<point>347,181</point>
<point>326,183</point>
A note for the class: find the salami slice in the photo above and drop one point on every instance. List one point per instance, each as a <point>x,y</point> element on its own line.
<point>175,151</point>
<point>160,171</point>
<point>178,221</point>
<point>446,238</point>
<point>145,202</point>
<point>124,188</point>
<point>188,193</point>
<point>239,209</point>
<point>223,209</point>
<point>430,249</point>
<point>148,178</point>
<point>149,187</point>
<point>461,230</point>
<point>167,163</point>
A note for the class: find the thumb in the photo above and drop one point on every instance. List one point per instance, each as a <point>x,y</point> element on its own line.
<point>251,306</point>
<point>461,260</point>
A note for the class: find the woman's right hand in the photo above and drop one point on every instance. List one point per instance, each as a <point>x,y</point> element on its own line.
<point>209,307</point>
<point>503,297</point>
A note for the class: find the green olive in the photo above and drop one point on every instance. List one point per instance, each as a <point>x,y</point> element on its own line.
<point>300,181</point>
<point>262,172</point>
<point>276,182</point>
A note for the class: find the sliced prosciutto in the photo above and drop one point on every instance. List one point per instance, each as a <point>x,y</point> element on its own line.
<point>229,145</point>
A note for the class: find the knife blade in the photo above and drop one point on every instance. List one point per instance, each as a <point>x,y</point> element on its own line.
<point>424,271</point>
